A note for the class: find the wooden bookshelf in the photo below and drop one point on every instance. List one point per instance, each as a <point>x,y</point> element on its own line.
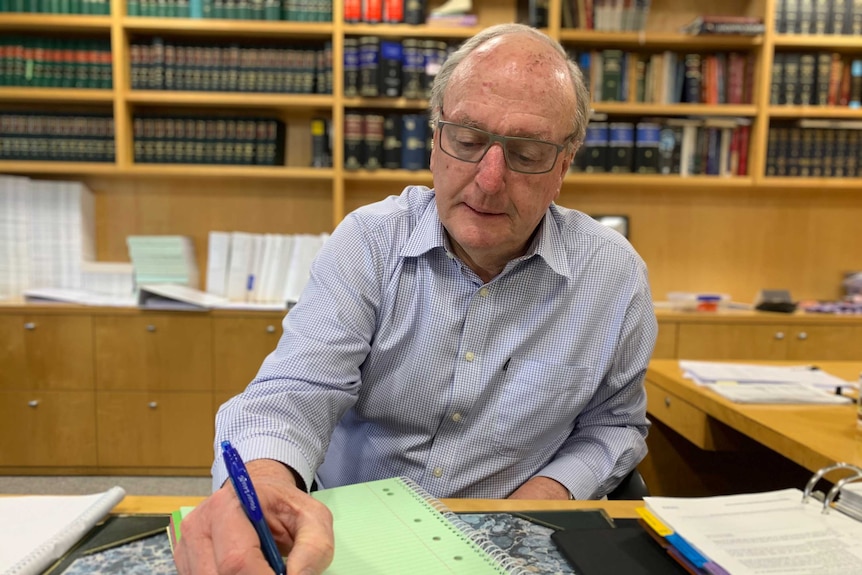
<point>728,234</point>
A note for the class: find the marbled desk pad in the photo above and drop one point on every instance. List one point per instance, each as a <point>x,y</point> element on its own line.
<point>528,543</point>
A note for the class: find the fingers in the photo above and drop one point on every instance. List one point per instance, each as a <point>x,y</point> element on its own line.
<point>314,543</point>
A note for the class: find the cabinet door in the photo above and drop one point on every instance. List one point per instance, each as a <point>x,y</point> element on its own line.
<point>824,343</point>
<point>153,352</point>
<point>13,354</point>
<point>141,429</point>
<point>239,346</point>
<point>665,345</point>
<point>732,341</point>
<point>51,352</point>
<point>47,428</point>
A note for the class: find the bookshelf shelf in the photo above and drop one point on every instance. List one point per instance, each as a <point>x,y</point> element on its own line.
<point>848,184</point>
<point>410,30</point>
<point>30,168</point>
<point>220,171</point>
<point>385,103</point>
<point>228,99</point>
<point>658,40</point>
<point>641,109</point>
<point>826,112</point>
<point>213,27</point>
<point>825,41</point>
<point>65,95</point>
<point>654,181</point>
<point>55,22</point>
<point>418,177</point>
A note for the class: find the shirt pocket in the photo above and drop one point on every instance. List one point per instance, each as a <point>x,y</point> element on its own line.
<point>537,406</point>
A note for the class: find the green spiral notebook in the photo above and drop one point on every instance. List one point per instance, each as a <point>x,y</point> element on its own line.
<point>392,527</point>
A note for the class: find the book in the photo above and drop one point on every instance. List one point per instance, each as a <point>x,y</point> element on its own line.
<point>746,534</point>
<point>393,526</point>
<point>46,527</point>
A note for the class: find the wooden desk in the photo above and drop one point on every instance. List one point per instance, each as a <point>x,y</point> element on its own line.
<point>703,444</point>
<point>616,509</point>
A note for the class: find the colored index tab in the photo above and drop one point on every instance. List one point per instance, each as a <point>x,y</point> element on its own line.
<point>654,522</point>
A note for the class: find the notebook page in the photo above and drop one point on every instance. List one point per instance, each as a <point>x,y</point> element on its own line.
<point>386,527</point>
<point>37,530</point>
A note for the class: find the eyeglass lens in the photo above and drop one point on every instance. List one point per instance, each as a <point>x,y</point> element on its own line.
<point>522,154</point>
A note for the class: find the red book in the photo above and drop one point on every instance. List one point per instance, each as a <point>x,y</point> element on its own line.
<point>352,10</point>
<point>393,11</point>
<point>372,11</point>
<point>744,136</point>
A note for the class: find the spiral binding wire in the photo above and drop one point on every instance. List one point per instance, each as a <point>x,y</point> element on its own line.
<point>497,557</point>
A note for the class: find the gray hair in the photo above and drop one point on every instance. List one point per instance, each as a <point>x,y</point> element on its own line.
<point>582,94</point>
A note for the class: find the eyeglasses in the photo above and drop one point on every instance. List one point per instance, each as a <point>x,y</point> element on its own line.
<point>524,155</point>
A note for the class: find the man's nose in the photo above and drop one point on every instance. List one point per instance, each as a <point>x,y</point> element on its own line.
<point>492,169</point>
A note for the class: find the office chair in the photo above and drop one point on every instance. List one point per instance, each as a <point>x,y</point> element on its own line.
<point>633,486</point>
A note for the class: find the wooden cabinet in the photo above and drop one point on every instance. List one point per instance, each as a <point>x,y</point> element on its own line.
<point>47,402</point>
<point>155,429</point>
<point>153,352</point>
<point>239,346</point>
<point>665,345</point>
<point>46,351</point>
<point>47,428</point>
<point>794,340</point>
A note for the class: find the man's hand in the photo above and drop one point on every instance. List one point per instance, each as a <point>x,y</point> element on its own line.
<point>218,538</point>
<point>540,488</point>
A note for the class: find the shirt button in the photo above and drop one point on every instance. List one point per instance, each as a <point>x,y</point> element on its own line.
<point>456,417</point>
<point>483,292</point>
<point>469,356</point>
<point>438,472</point>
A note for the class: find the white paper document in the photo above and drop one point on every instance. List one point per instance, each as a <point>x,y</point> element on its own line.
<point>709,372</point>
<point>770,533</point>
<point>776,393</point>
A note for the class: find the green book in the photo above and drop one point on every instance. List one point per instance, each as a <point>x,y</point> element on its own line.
<point>392,526</point>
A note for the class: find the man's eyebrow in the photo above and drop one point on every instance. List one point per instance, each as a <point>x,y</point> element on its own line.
<point>522,133</point>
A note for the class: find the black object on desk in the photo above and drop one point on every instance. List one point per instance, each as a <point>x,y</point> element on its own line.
<point>625,549</point>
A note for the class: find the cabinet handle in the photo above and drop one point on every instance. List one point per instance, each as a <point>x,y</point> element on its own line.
<point>802,336</point>
<point>779,335</point>
<point>151,328</point>
<point>270,329</point>
<point>666,401</point>
<point>30,325</point>
<point>153,404</point>
<point>33,403</point>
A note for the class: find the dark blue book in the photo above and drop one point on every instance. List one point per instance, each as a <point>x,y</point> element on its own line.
<point>413,141</point>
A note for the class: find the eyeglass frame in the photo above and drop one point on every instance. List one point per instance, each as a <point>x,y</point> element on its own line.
<point>503,140</point>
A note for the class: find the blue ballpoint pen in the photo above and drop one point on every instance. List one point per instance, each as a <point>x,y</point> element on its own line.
<point>250,504</point>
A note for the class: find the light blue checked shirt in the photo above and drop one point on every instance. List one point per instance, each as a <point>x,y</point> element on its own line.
<point>412,366</point>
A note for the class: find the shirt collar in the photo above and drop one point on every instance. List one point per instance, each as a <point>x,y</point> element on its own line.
<point>547,244</point>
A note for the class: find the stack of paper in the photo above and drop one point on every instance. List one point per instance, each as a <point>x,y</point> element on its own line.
<point>47,231</point>
<point>850,500</point>
<point>260,268</point>
<point>770,533</point>
<point>163,259</point>
<point>745,383</point>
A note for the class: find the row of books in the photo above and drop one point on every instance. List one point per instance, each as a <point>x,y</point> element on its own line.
<point>47,62</point>
<point>166,65</point>
<point>832,152</point>
<point>291,10</point>
<point>374,67</point>
<point>816,79</point>
<point>668,77</point>
<point>682,146</point>
<point>207,140</point>
<point>818,17</point>
<point>391,141</point>
<point>98,7</point>
<point>605,15</point>
<point>56,137</point>
<point>260,268</point>
<point>389,11</point>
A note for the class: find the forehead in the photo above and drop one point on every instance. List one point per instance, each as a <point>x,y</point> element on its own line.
<point>512,83</point>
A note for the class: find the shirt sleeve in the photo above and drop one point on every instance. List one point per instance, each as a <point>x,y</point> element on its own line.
<point>609,438</point>
<point>303,388</point>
